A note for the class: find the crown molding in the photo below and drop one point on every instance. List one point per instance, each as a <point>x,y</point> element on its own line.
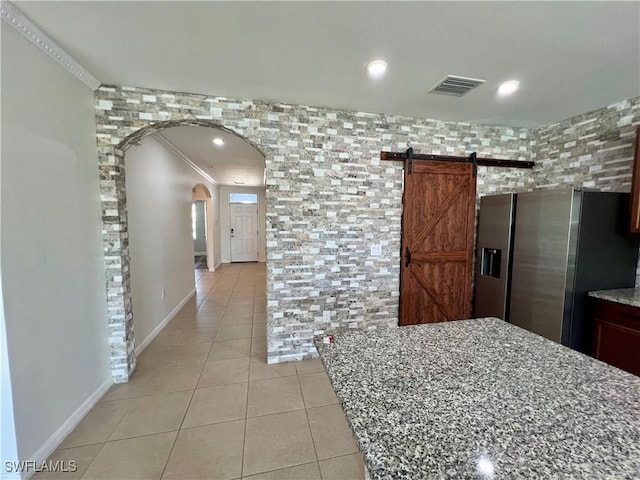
<point>12,16</point>
<point>163,140</point>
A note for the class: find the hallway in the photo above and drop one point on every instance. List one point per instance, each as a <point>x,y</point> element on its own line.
<point>203,403</point>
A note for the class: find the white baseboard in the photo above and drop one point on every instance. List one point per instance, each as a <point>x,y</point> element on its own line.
<point>65,429</point>
<point>216,266</point>
<point>144,343</point>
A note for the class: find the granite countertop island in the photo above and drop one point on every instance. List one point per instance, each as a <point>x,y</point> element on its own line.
<point>483,399</point>
<point>626,296</point>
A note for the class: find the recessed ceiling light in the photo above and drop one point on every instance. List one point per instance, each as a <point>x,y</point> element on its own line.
<point>507,88</point>
<point>377,68</point>
<point>218,141</point>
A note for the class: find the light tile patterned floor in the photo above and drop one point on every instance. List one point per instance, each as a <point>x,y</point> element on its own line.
<point>203,403</point>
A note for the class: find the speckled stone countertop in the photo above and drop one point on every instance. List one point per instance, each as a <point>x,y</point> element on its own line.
<point>483,399</point>
<point>627,296</point>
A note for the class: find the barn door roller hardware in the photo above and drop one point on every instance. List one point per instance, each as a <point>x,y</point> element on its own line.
<point>410,159</point>
<point>411,156</point>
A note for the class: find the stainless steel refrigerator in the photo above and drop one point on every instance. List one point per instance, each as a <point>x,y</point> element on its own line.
<point>540,252</point>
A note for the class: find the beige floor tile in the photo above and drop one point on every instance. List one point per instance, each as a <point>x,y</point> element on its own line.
<point>259,317</point>
<point>261,356</point>
<point>259,308</point>
<point>187,309</point>
<point>317,390</point>
<point>174,378</point>
<point>198,321</point>
<point>239,312</point>
<point>196,335</point>
<point>166,355</point>
<point>308,471</point>
<point>211,310</point>
<point>145,368</point>
<point>230,349</point>
<point>174,324</point>
<point>154,414</point>
<point>212,301</point>
<point>259,329</point>
<point>309,366</point>
<point>223,287</point>
<point>241,295</point>
<point>133,458</point>
<point>241,302</point>
<point>274,395</point>
<point>217,404</point>
<point>209,452</point>
<point>330,431</point>
<point>152,358</point>
<point>166,337</point>
<point>234,333</point>
<point>260,370</point>
<point>221,372</point>
<point>259,345</point>
<point>349,467</point>
<point>205,284</point>
<point>133,388</point>
<point>233,321</point>
<point>80,456</point>
<point>186,354</point>
<point>98,424</point>
<point>277,441</point>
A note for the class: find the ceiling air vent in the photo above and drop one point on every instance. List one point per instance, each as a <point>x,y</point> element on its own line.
<point>456,86</point>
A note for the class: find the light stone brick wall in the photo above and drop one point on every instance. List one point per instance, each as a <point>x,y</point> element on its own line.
<point>593,150</point>
<point>328,198</point>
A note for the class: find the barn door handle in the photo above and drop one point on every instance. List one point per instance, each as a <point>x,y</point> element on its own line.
<point>407,257</point>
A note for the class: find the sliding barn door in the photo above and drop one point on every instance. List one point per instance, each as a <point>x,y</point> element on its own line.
<point>438,226</point>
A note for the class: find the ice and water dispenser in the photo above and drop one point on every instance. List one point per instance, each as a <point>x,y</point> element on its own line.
<point>491,258</point>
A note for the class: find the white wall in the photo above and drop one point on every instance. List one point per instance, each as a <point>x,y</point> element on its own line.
<point>51,248</point>
<point>159,196</point>
<point>225,228</point>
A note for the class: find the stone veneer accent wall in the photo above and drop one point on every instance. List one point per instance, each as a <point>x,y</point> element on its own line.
<point>593,150</point>
<point>328,197</point>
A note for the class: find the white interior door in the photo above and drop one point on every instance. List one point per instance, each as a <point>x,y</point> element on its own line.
<point>243,219</point>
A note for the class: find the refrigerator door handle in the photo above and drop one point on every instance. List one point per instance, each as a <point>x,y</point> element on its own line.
<point>407,257</point>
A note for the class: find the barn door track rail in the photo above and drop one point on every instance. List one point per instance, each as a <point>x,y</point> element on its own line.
<point>483,162</point>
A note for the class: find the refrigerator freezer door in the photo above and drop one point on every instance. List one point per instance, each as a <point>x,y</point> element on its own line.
<point>542,245</point>
<point>492,262</point>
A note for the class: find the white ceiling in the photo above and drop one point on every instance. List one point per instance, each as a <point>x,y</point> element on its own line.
<point>570,57</point>
<point>235,161</point>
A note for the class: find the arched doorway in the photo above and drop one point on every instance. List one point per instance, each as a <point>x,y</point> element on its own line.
<point>116,237</point>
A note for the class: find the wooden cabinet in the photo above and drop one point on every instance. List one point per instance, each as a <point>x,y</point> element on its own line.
<point>616,338</point>
<point>635,188</point>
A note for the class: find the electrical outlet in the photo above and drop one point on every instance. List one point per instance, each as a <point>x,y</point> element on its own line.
<point>163,293</point>
<point>376,250</point>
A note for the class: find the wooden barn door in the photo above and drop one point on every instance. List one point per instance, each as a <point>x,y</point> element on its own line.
<point>438,227</point>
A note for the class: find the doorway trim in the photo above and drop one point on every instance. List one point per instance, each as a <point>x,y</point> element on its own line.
<point>208,209</point>
<point>115,231</point>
